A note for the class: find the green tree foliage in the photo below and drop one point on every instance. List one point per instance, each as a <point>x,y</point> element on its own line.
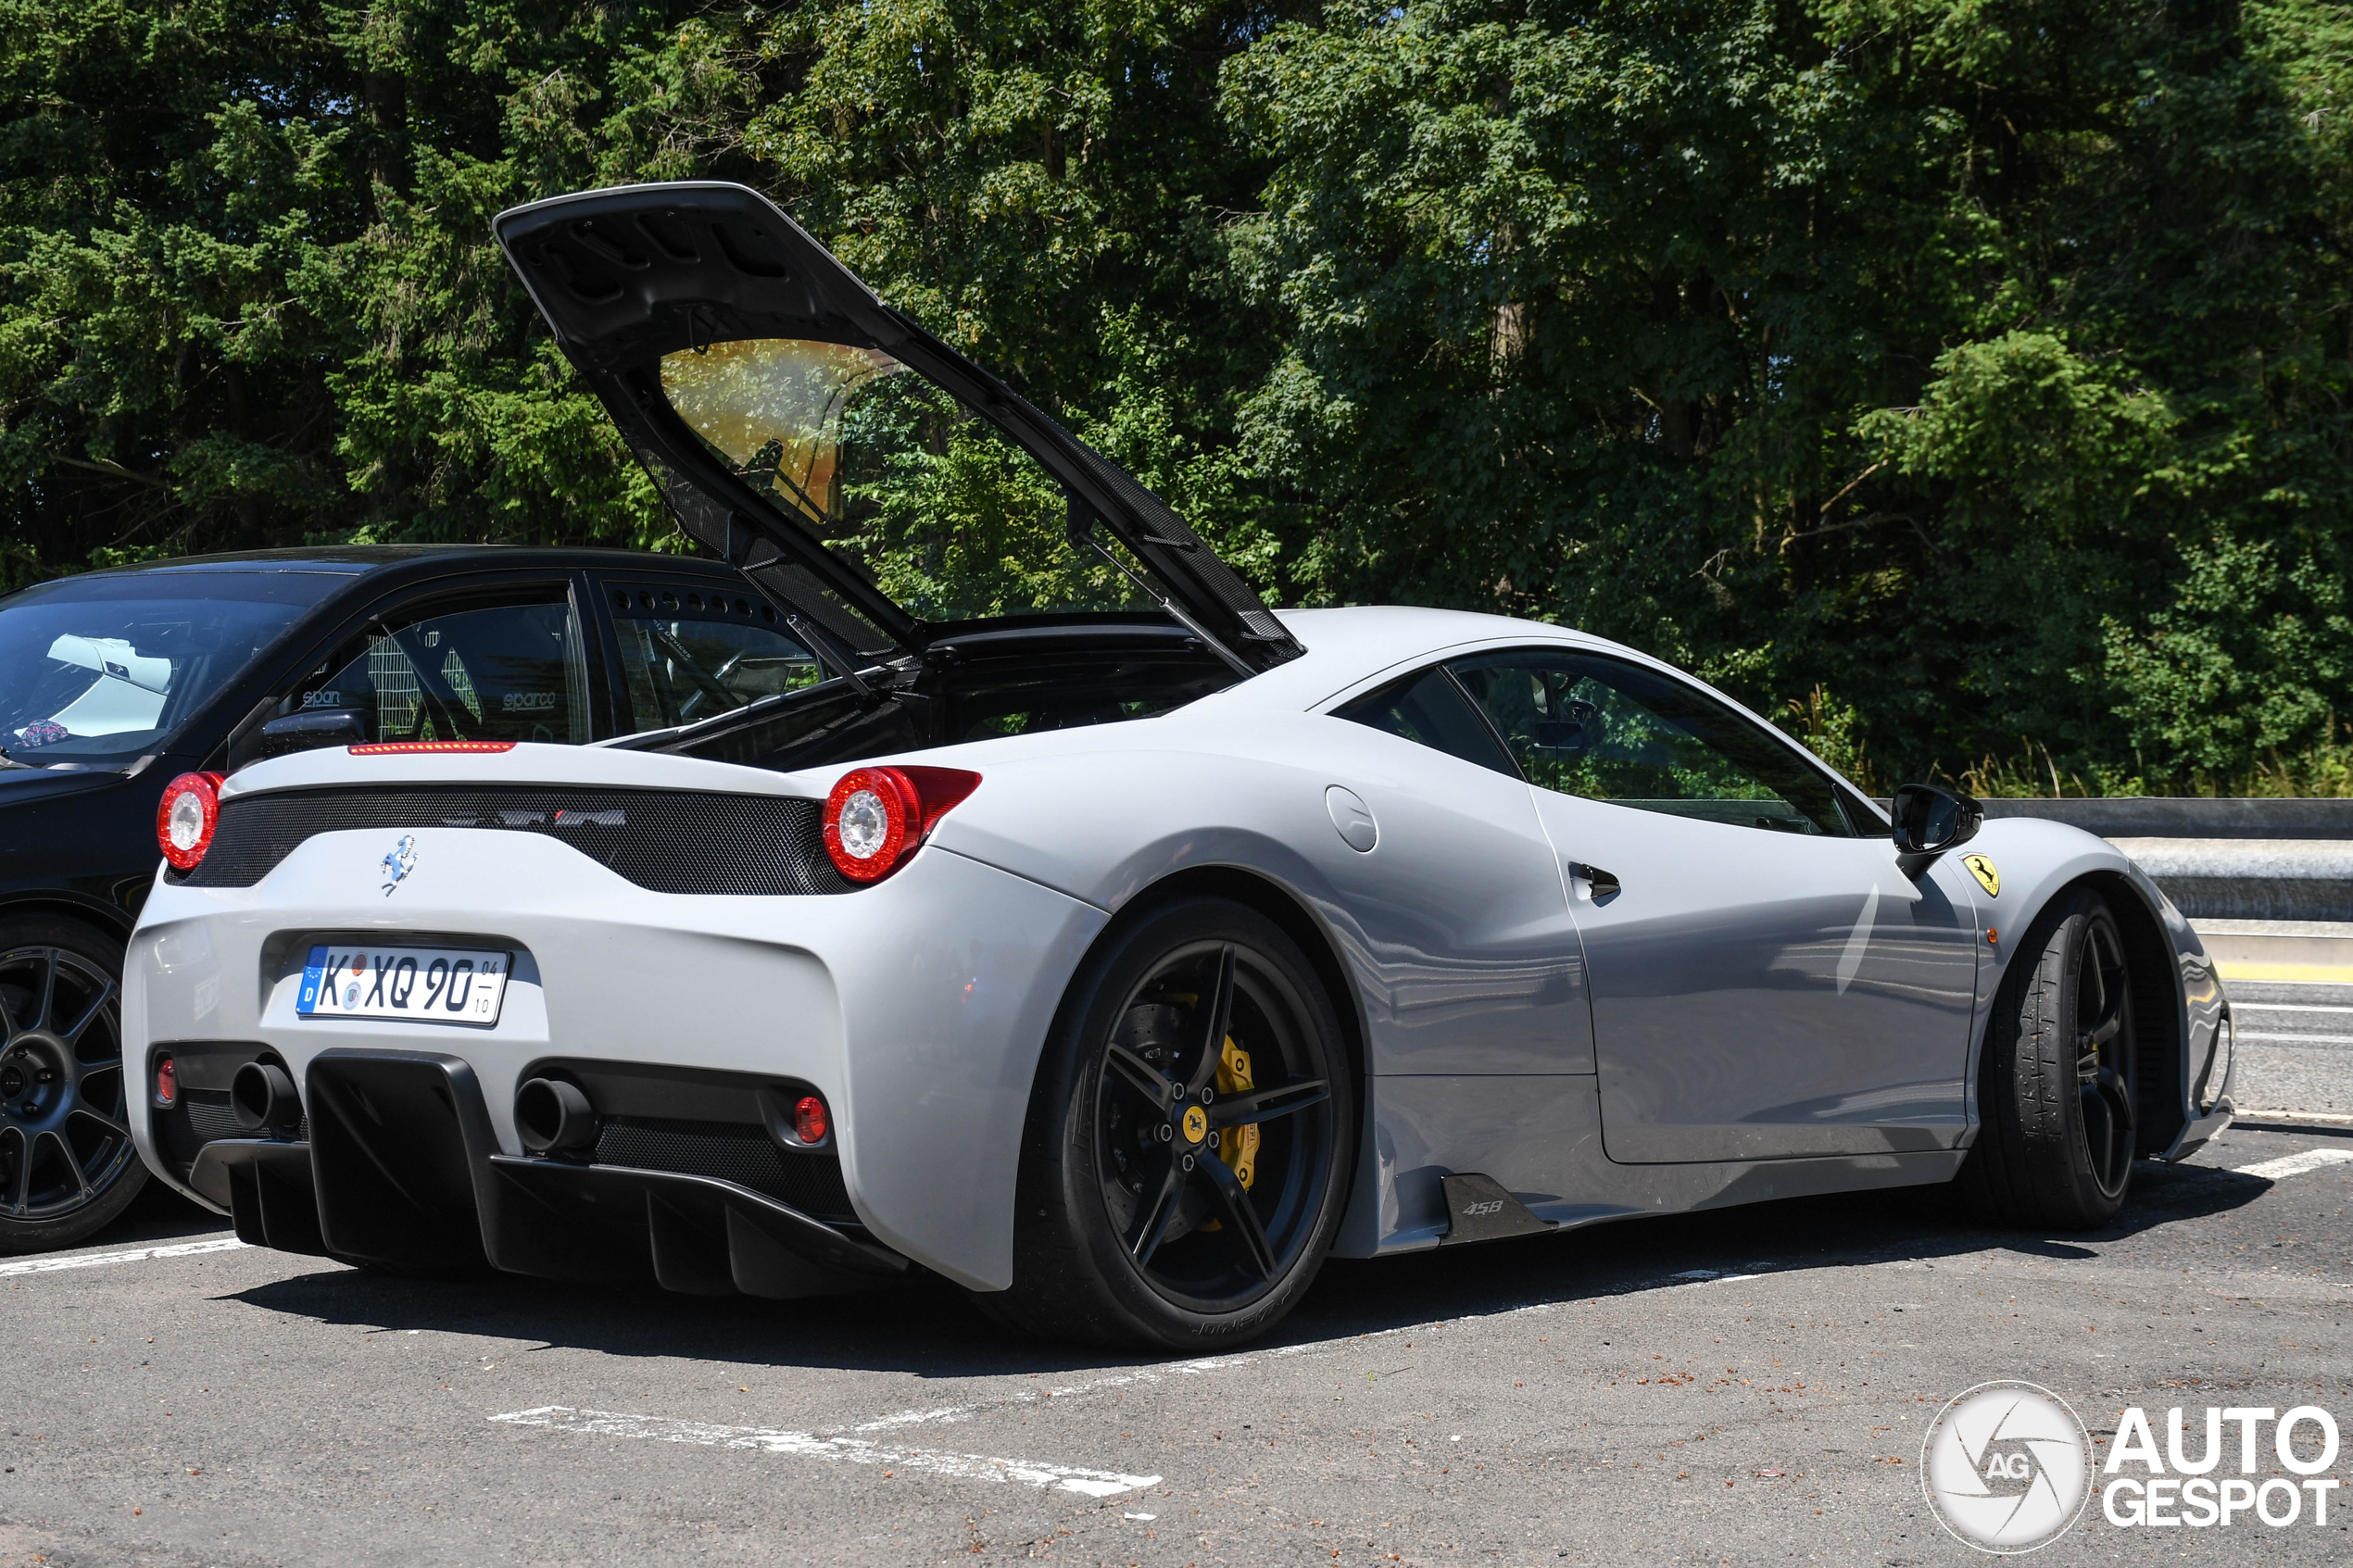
<point>250,295</point>
<point>1930,374</point>
<point>1945,361</point>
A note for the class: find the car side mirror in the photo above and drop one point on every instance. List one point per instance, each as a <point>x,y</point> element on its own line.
<point>313,728</point>
<point>1931,818</point>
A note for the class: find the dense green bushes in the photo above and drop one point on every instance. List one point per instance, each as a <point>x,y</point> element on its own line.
<point>1966,383</point>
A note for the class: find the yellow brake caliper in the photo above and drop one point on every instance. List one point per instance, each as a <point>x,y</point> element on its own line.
<point>1239,1148</point>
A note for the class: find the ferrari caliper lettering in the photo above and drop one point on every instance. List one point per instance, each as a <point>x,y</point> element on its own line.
<point>1239,1148</point>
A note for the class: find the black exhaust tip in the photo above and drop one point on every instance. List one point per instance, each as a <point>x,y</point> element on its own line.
<point>263,1095</point>
<point>554,1117</point>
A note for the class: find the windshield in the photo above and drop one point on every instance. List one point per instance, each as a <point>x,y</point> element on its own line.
<point>97,669</point>
<point>952,521</point>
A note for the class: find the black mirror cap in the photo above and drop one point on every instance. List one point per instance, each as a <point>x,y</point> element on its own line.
<point>313,728</point>
<point>1931,818</point>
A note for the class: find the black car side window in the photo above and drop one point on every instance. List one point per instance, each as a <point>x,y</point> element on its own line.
<point>688,653</point>
<point>1428,708</point>
<point>460,669</point>
<point>1608,729</point>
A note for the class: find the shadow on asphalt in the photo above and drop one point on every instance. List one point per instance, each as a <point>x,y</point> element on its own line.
<point>928,1329</point>
<point>158,1214</point>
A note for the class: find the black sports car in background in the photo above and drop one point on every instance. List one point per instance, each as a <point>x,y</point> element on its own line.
<point>114,682</point>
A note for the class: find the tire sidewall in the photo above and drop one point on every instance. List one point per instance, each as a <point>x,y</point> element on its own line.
<point>2032,1162</point>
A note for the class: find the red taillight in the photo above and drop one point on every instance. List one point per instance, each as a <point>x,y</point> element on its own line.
<point>810,1121</point>
<point>185,817</point>
<point>166,1084</point>
<point>399,747</point>
<point>876,817</point>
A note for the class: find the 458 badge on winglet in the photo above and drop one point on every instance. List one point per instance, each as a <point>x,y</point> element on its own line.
<point>409,984</point>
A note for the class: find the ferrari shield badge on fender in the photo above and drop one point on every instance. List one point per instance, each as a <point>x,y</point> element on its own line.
<point>1988,875</point>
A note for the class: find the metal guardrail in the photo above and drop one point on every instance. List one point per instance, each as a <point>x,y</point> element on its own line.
<point>2149,816</point>
<point>2227,858</point>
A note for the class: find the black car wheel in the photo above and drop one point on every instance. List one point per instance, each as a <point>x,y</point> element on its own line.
<point>67,1163</point>
<point>1189,1143</point>
<point>2059,1120</point>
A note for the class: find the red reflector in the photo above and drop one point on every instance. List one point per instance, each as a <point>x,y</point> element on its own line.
<point>185,817</point>
<point>394,748</point>
<point>810,1121</point>
<point>166,1084</point>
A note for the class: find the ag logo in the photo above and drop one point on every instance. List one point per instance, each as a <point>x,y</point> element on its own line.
<point>1988,875</point>
<point>1196,1124</point>
<point>400,862</point>
<point>2007,1467</point>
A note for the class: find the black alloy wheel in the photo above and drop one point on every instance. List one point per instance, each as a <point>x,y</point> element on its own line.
<point>1212,1197</point>
<point>1186,1164</point>
<point>68,1165</point>
<point>2103,995</point>
<point>2059,1118</point>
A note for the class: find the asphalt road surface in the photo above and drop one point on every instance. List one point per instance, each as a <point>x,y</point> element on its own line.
<point>2296,1045</point>
<point>1745,1387</point>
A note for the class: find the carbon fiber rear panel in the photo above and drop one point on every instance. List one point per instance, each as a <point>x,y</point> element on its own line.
<point>668,841</point>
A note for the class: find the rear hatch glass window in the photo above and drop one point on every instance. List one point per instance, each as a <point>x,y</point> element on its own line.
<point>948,518</point>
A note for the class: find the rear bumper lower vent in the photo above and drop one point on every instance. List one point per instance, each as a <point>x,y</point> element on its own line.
<point>730,1152</point>
<point>203,1114</point>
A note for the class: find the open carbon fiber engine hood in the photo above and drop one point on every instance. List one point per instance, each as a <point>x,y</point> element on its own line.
<point>637,278</point>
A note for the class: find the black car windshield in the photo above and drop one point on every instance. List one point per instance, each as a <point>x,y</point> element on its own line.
<point>97,669</point>
<point>948,518</point>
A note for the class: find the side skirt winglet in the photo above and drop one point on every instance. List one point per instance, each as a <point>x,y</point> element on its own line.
<point>1478,1209</point>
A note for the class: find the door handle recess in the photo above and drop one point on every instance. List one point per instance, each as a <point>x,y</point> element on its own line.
<point>1593,881</point>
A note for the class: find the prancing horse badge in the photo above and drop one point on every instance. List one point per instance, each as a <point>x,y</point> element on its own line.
<point>1988,877</point>
<point>400,862</point>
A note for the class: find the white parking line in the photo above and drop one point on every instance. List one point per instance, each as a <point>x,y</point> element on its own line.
<point>2296,1164</point>
<point>94,1260</point>
<point>808,1445</point>
<point>2297,1039</point>
<point>2287,1007</point>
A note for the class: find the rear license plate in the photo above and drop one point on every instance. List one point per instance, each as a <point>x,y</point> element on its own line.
<point>413,985</point>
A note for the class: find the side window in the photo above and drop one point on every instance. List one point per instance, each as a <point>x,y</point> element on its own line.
<point>687,654</point>
<point>1609,730</point>
<point>1428,708</point>
<point>460,670</point>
